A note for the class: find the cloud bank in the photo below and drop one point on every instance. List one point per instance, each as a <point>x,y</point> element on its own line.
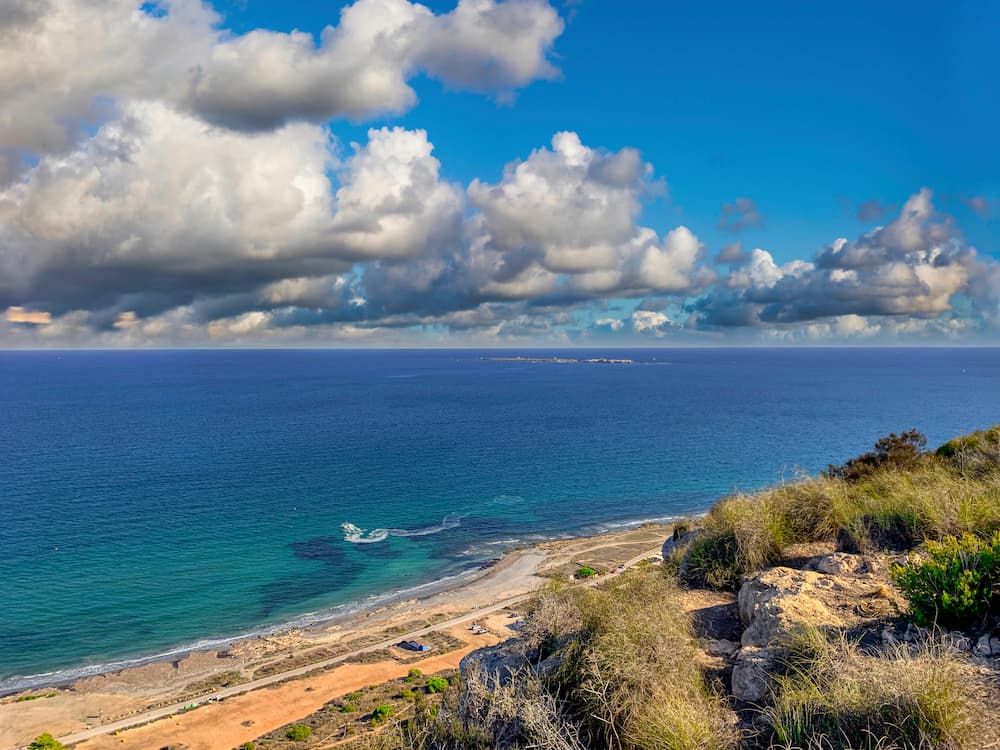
<point>166,182</point>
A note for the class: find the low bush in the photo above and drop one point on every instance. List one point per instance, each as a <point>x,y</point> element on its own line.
<point>957,585</point>
<point>585,572</point>
<point>406,695</point>
<point>248,746</point>
<point>298,732</point>
<point>436,685</point>
<point>834,697</point>
<point>381,713</point>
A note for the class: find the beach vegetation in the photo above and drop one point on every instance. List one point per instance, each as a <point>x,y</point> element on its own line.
<point>436,685</point>
<point>413,675</point>
<point>298,732</point>
<point>46,742</point>
<point>585,572</point>
<point>956,584</point>
<point>834,696</point>
<point>381,713</point>
<point>348,708</point>
<point>248,746</point>
<point>406,695</point>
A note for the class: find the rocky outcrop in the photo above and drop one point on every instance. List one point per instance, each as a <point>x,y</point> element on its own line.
<point>501,661</point>
<point>775,603</point>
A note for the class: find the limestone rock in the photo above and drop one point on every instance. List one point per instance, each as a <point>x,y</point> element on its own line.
<point>778,600</point>
<point>720,647</point>
<point>840,563</point>
<point>752,679</point>
<point>500,661</point>
<point>987,645</point>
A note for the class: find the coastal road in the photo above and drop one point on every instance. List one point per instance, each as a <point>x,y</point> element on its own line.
<point>148,717</point>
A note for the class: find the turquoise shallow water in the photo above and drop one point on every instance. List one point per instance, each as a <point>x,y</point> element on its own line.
<point>155,500</point>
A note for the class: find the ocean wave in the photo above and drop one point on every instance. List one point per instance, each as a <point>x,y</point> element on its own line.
<point>357,535</point>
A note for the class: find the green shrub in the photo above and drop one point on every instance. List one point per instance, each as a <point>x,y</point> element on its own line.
<point>46,742</point>
<point>406,695</point>
<point>958,585</point>
<point>298,732</point>
<point>585,572</point>
<point>348,708</point>
<point>437,685</point>
<point>382,712</point>
<point>834,697</point>
<point>248,746</point>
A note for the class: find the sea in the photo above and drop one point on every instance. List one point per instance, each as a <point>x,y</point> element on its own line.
<point>155,502</point>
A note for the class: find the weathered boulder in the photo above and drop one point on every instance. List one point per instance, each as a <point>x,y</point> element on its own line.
<point>841,563</point>
<point>720,647</point>
<point>753,673</point>
<point>501,661</point>
<point>987,645</point>
<point>779,600</point>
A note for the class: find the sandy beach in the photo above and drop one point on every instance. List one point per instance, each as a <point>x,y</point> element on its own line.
<point>262,683</point>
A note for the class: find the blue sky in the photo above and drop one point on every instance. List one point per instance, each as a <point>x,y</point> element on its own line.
<point>808,108</point>
<point>813,122</point>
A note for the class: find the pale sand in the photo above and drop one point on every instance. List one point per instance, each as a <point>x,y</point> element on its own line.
<point>130,692</point>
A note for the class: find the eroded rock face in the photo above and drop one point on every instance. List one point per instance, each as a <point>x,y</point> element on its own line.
<point>778,601</point>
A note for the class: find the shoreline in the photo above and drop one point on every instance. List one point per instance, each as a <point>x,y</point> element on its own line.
<point>337,615</point>
<point>89,702</point>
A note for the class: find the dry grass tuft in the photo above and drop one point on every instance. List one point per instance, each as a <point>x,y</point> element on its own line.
<point>835,697</point>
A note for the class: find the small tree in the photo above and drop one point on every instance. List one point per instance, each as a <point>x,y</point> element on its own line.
<point>903,451</point>
<point>46,742</point>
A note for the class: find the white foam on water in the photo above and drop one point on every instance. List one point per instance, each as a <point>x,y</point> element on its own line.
<point>357,535</point>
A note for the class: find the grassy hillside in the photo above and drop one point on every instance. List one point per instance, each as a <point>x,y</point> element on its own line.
<point>625,666</point>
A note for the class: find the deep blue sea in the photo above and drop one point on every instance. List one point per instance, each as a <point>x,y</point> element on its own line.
<point>151,500</point>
